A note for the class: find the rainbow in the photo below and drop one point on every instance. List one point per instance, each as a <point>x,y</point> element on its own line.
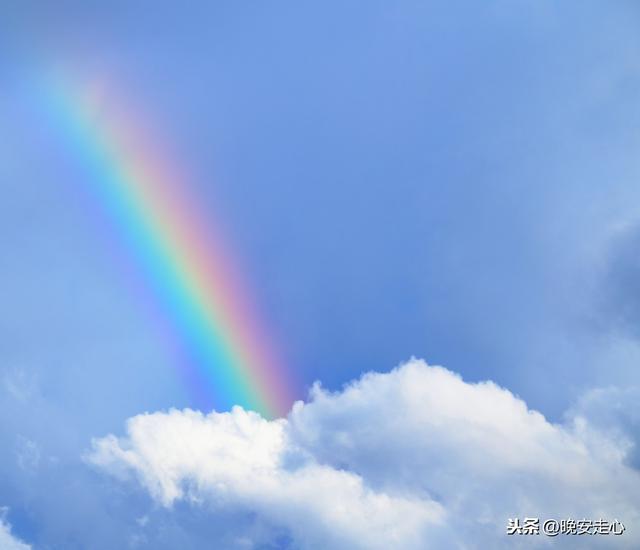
<point>181,254</point>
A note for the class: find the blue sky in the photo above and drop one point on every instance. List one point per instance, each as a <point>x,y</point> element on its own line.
<point>448,180</point>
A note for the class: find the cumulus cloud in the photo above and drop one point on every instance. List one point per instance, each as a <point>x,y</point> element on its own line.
<point>413,458</point>
<point>240,459</point>
<point>7,540</point>
<point>615,411</point>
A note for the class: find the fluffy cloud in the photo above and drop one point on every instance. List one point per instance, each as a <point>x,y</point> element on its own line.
<point>7,540</point>
<point>414,458</point>
<point>239,459</point>
<point>615,411</point>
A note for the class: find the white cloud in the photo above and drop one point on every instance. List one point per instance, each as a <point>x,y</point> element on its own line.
<point>238,459</point>
<point>18,384</point>
<point>414,458</point>
<point>27,454</point>
<point>7,540</point>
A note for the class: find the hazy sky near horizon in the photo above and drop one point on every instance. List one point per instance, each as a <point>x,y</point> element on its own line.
<point>449,180</point>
